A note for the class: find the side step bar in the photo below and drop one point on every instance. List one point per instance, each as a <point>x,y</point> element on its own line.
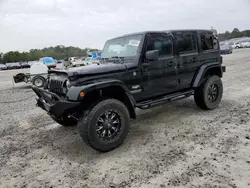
<point>163,100</point>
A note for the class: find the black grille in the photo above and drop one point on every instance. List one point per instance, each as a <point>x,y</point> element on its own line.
<point>56,85</point>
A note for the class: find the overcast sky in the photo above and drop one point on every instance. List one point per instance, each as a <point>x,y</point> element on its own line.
<point>26,24</point>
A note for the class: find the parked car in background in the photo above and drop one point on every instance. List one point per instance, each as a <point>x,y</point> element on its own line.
<point>49,61</point>
<point>10,66</point>
<point>226,48</point>
<point>245,44</point>
<point>60,65</point>
<point>236,45</point>
<point>3,67</point>
<point>13,65</point>
<point>17,65</point>
<point>25,65</point>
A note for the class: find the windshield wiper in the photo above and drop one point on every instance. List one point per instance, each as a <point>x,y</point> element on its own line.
<point>119,58</point>
<point>113,58</point>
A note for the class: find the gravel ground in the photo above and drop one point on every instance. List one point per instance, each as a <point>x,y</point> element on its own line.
<point>175,145</point>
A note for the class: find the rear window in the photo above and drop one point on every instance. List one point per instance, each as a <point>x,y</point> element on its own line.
<point>186,42</point>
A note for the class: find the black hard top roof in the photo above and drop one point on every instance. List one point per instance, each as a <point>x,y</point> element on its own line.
<point>166,31</point>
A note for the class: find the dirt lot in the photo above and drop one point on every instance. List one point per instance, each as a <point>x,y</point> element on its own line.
<point>176,145</point>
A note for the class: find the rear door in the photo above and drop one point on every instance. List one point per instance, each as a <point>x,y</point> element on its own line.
<point>209,51</point>
<point>187,47</point>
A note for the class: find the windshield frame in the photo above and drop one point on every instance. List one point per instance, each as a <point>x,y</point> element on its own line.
<point>138,51</point>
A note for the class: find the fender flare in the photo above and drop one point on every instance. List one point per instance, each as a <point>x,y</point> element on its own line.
<point>202,71</point>
<point>74,91</point>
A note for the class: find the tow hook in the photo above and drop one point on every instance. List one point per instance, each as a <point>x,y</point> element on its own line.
<point>73,117</point>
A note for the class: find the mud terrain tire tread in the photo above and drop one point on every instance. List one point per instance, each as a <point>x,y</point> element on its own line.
<point>87,128</point>
<point>200,95</point>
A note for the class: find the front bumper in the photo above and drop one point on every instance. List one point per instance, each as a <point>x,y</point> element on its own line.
<point>52,103</point>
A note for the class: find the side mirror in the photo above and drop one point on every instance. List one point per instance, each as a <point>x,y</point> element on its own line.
<point>152,55</point>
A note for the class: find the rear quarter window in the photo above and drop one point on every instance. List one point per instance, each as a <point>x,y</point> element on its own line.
<point>208,42</point>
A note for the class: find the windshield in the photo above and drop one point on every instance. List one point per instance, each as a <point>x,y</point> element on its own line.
<point>1,65</point>
<point>122,47</point>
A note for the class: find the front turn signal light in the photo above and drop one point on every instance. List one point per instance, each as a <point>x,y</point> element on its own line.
<point>81,94</point>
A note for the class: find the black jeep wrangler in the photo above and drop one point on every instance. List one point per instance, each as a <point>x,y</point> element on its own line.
<point>140,70</point>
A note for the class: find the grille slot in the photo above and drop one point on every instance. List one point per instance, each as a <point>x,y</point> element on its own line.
<point>56,85</point>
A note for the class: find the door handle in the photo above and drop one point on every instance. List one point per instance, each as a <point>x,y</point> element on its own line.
<point>145,65</point>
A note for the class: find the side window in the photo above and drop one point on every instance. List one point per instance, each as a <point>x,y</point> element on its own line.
<point>186,42</point>
<point>207,42</point>
<point>216,44</point>
<point>162,43</point>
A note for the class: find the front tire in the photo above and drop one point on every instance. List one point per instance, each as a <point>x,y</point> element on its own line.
<point>105,126</point>
<point>209,94</point>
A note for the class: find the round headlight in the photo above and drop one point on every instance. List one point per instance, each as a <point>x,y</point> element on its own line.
<point>67,84</point>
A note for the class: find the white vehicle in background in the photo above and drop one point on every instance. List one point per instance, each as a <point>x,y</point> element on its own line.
<point>245,44</point>
<point>37,75</point>
<point>236,45</point>
<point>60,65</point>
<point>75,61</point>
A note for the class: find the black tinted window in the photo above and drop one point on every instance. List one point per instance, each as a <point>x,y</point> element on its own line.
<point>186,43</point>
<point>207,42</point>
<point>162,43</point>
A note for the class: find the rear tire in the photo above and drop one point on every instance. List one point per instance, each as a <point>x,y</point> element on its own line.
<point>105,126</point>
<point>209,94</point>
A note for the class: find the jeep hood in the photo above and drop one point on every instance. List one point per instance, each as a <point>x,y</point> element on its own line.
<point>92,69</point>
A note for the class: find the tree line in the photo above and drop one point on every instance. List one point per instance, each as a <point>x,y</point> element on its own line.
<point>57,52</point>
<point>236,33</point>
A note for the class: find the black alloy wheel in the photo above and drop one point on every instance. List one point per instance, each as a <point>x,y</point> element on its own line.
<point>213,92</point>
<point>105,125</point>
<point>108,125</point>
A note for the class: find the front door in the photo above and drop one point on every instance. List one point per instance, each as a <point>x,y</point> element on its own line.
<point>159,77</point>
